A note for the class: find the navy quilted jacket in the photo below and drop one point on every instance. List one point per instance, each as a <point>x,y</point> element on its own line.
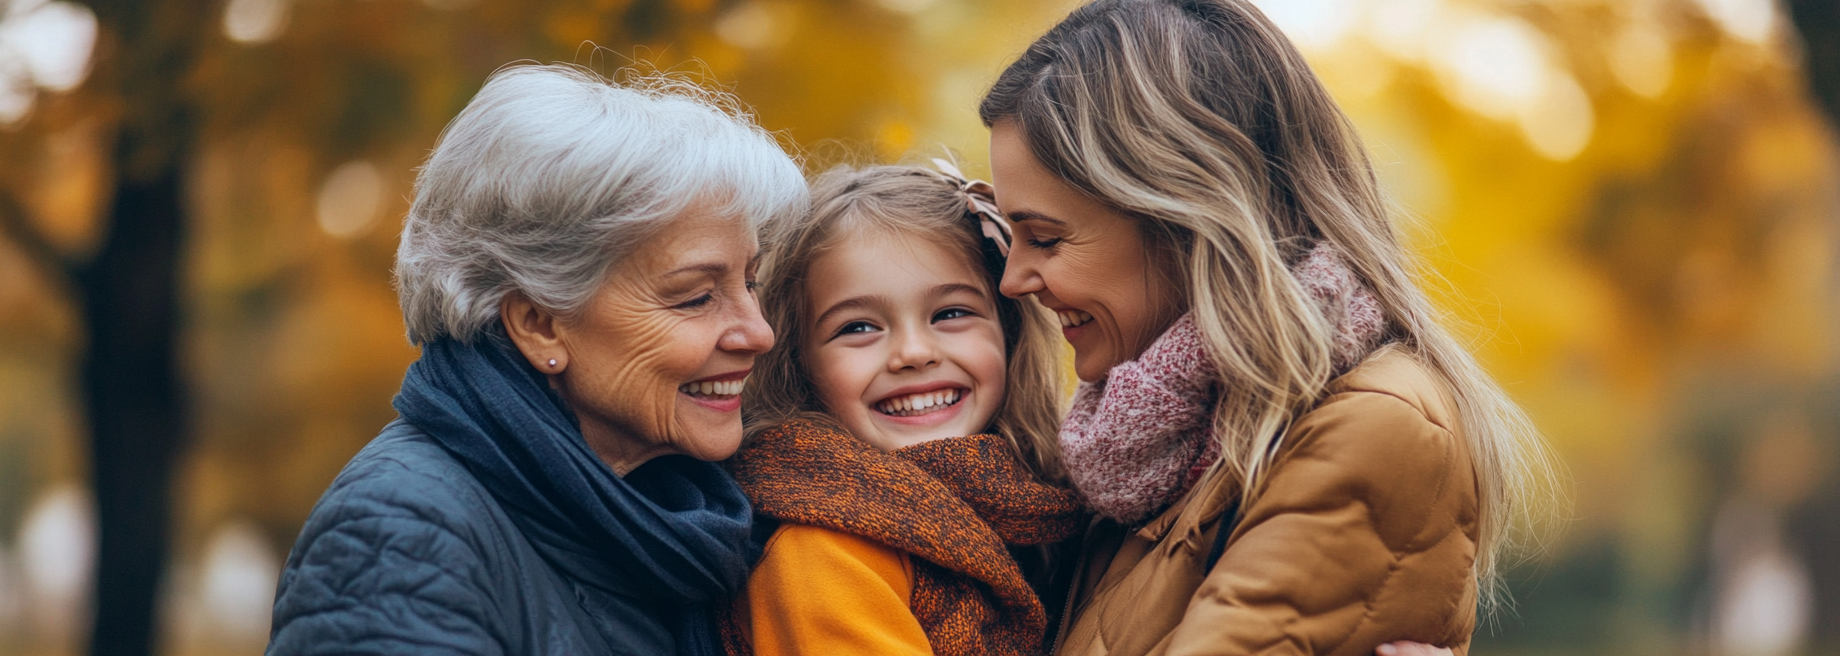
<point>408,553</point>
<point>481,523</point>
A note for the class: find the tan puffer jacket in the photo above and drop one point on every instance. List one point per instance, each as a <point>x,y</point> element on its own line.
<point>1366,533</point>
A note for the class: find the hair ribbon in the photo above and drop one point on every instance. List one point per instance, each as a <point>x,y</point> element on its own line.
<point>980,202</point>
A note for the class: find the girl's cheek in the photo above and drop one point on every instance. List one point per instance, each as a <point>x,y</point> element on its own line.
<point>824,377</point>
<point>991,370</point>
<point>993,361</point>
<point>840,377</point>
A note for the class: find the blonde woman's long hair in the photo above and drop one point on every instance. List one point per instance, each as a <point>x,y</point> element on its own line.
<point>913,203</point>
<point>1199,119</point>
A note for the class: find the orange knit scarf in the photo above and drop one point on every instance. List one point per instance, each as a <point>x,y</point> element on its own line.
<point>952,504</point>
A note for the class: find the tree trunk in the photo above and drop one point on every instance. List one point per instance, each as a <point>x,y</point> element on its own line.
<point>1818,22</point>
<point>130,296</point>
<point>134,396</point>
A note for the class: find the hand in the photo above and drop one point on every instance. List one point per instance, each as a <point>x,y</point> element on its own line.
<point>1410,649</point>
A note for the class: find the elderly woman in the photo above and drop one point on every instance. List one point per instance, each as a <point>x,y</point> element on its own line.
<point>577,268</point>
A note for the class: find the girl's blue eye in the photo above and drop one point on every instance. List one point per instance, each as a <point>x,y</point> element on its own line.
<point>753,287</point>
<point>1045,243</point>
<point>856,327</point>
<point>951,313</point>
<point>698,302</point>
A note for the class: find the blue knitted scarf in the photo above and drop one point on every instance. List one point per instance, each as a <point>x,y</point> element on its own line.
<point>674,530</point>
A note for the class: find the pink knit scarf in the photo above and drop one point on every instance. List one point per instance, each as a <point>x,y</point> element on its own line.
<point>1138,439</point>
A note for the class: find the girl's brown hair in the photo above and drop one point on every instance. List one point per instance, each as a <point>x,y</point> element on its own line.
<point>915,203</point>
<point>1199,119</point>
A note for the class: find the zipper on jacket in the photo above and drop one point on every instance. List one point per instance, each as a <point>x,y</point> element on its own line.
<point>1067,609</point>
<point>1073,590</point>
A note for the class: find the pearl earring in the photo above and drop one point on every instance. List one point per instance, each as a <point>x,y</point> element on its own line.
<point>552,362</point>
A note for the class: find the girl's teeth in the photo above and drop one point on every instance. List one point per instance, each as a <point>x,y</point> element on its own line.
<point>919,403</point>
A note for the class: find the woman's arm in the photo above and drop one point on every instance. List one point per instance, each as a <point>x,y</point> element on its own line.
<point>1410,649</point>
<point>1363,533</point>
<point>821,592</point>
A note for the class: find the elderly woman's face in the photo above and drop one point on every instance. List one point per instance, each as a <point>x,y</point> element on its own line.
<point>655,362</point>
<point>1081,258</point>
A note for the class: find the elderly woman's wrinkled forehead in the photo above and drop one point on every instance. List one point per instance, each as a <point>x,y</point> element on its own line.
<point>552,173</point>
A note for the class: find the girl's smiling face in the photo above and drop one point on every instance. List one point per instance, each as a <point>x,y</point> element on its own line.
<point>906,346</point>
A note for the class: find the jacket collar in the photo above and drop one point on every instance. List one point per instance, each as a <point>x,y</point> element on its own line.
<point>1389,371</point>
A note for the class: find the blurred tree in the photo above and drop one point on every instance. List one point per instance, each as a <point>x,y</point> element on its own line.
<point>1818,22</point>
<point>128,296</point>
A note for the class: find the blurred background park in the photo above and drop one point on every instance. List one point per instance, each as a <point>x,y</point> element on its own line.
<point>1631,206</point>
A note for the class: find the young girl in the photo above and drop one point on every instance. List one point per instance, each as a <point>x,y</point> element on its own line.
<point>903,433</point>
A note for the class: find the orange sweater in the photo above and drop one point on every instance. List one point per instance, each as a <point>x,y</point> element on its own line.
<point>819,591</point>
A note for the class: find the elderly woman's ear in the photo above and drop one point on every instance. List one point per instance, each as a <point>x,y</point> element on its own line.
<point>536,333</point>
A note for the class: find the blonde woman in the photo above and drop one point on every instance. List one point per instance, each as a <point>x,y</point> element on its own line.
<point>1291,453</point>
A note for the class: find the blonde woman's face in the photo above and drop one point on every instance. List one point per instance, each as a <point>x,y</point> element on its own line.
<point>1081,258</point>
<point>905,346</point>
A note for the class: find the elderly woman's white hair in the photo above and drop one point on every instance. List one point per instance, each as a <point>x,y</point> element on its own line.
<point>553,173</point>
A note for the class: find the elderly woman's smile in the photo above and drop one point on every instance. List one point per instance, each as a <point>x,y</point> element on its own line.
<point>719,393</point>
<point>656,361</point>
